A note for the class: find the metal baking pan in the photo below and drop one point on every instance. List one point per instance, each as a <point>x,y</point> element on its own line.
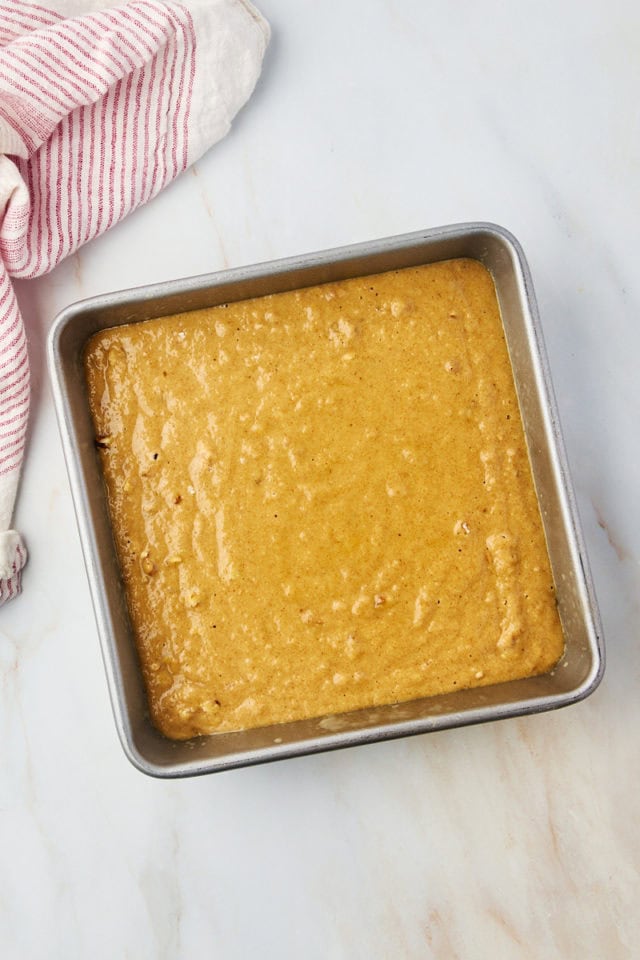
<point>581,667</point>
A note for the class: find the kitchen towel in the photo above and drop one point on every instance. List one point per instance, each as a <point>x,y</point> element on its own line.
<point>101,105</point>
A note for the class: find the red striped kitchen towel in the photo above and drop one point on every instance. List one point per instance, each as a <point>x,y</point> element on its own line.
<point>101,105</point>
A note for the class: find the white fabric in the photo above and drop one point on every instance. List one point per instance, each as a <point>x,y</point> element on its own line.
<point>101,105</point>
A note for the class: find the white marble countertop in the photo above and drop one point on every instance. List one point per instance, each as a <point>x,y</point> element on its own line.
<point>512,840</point>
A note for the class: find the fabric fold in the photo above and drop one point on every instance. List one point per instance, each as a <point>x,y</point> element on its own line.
<point>101,106</point>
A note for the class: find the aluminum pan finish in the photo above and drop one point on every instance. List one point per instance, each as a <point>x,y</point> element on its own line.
<point>582,666</point>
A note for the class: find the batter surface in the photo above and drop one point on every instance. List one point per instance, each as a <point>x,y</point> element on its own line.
<point>322,500</point>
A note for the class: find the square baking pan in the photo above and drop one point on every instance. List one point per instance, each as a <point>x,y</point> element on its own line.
<point>574,677</point>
